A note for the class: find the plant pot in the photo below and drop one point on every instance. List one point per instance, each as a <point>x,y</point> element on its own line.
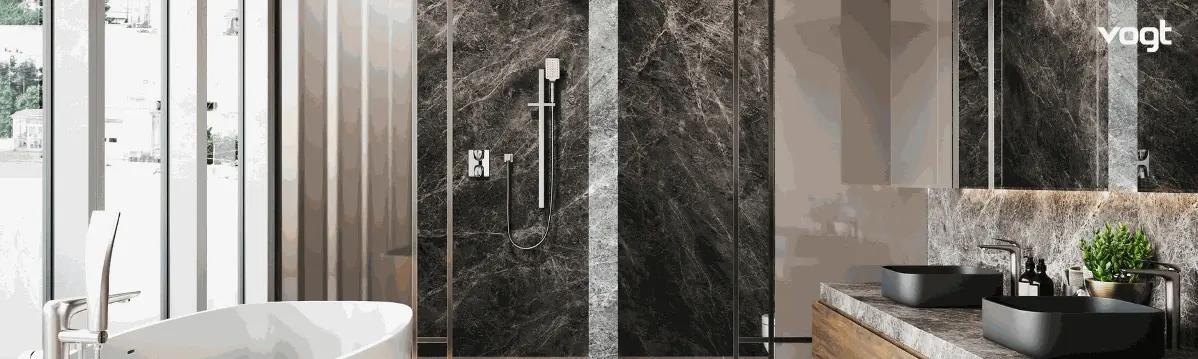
<point>1138,293</point>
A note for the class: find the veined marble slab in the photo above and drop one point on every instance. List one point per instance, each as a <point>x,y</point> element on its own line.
<point>941,333</point>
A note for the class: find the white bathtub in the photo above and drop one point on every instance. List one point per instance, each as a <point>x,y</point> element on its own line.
<point>299,330</point>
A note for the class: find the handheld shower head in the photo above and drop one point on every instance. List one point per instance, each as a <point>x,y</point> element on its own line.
<point>553,69</point>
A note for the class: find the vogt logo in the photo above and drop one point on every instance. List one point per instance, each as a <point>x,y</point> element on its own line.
<point>1152,37</point>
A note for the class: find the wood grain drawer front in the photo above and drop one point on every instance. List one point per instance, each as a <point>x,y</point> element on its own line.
<point>836,336</point>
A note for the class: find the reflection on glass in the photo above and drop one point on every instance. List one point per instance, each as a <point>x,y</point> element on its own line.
<point>132,154</point>
<point>223,130</point>
<point>21,167</point>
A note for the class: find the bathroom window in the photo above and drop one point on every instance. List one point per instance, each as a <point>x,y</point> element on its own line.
<point>21,176</point>
<point>224,179</point>
<point>128,175</point>
<point>132,179</point>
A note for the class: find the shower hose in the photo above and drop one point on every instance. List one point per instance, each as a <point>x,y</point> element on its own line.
<point>552,183</point>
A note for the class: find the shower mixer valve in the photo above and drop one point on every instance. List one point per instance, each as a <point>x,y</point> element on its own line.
<point>479,164</point>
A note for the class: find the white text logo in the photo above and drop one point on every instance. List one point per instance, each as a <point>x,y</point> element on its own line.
<point>1152,37</point>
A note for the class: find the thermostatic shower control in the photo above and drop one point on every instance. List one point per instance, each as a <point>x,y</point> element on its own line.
<point>479,164</point>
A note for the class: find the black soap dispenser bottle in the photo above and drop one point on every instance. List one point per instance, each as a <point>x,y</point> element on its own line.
<point>1025,280</point>
<point>1043,285</point>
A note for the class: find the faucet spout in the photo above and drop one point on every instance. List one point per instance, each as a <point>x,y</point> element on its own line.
<point>56,318</point>
<point>101,236</point>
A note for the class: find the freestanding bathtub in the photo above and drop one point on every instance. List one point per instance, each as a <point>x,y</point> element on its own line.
<point>299,330</point>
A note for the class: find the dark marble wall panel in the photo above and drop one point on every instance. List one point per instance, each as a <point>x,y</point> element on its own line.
<point>997,94</point>
<point>973,93</point>
<point>1050,224</point>
<point>1053,94</point>
<point>431,124</point>
<point>755,55</point>
<point>508,301</point>
<point>676,192</point>
<point>1168,97</point>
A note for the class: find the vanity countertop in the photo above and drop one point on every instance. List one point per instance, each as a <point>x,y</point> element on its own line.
<point>942,333</point>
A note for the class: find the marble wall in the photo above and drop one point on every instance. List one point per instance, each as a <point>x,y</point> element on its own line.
<point>508,301</point>
<point>676,193</point>
<point>1048,110</point>
<point>677,112</point>
<point>1050,225</point>
<point>973,94</point>
<point>1053,94</point>
<point>431,122</point>
<point>603,253</point>
<point>677,177</point>
<point>754,225</point>
<point>1067,110</point>
<point>1168,97</point>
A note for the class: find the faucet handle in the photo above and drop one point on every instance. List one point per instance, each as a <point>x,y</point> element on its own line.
<point>1014,243</point>
<point>1167,266</point>
<point>1169,275</point>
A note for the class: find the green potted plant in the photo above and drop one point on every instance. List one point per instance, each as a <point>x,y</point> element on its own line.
<point>1111,251</point>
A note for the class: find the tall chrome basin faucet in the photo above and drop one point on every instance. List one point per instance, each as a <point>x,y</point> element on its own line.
<point>1172,275</point>
<point>1013,248</point>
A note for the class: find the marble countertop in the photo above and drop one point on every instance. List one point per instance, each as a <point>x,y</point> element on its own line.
<point>942,333</point>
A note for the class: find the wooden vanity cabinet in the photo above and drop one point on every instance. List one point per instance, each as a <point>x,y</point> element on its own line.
<point>834,335</point>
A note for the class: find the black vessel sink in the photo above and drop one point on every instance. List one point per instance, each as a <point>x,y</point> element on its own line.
<point>940,286</point>
<point>1074,327</point>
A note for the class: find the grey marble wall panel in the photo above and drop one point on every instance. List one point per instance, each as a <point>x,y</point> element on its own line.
<point>603,249</point>
<point>1122,93</point>
<point>755,57</point>
<point>1168,97</point>
<point>431,122</point>
<point>508,301</point>
<point>1050,225</point>
<point>676,193</point>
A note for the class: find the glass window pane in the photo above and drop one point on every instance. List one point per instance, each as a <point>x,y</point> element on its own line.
<point>132,152</point>
<point>223,130</point>
<point>21,167</point>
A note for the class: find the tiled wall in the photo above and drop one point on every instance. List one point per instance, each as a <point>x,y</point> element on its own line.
<point>1050,225</point>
